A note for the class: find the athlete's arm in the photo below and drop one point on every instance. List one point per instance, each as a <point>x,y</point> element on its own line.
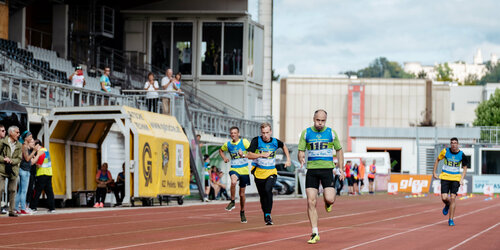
<point>435,169</point>
<point>253,147</point>
<point>340,158</point>
<point>221,153</point>
<point>287,153</point>
<point>440,157</point>
<point>301,156</point>
<point>465,163</point>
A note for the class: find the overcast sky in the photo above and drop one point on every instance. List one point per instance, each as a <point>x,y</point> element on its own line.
<point>328,36</point>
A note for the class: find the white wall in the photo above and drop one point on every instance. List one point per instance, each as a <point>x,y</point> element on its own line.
<point>464,100</point>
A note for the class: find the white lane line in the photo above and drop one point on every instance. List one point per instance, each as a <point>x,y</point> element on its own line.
<point>415,229</point>
<point>333,229</point>
<point>474,236</point>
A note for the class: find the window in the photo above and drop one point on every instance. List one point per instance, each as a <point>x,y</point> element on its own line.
<point>183,36</point>
<point>211,48</point>
<point>171,46</point>
<point>161,42</point>
<point>250,63</point>
<point>233,46</point>
<point>222,48</point>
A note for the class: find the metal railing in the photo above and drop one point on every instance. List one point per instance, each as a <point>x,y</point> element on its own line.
<point>41,95</point>
<point>490,135</point>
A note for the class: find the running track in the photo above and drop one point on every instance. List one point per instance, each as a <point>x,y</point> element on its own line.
<point>361,222</point>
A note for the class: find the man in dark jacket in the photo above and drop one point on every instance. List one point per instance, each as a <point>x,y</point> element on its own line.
<point>10,158</point>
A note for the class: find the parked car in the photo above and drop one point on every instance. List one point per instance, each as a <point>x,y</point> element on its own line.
<point>288,184</point>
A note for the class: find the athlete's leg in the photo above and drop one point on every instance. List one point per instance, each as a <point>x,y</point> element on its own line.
<point>270,181</point>
<point>311,194</point>
<point>234,181</point>
<point>242,198</point>
<point>444,198</point>
<point>452,205</point>
<point>329,195</point>
<point>261,183</point>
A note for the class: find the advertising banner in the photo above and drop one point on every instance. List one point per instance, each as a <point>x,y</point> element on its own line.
<point>479,181</point>
<point>164,154</point>
<point>407,181</point>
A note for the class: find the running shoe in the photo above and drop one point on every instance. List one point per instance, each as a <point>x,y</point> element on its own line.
<point>96,205</point>
<point>101,204</point>
<point>314,239</point>
<point>13,214</point>
<point>269,220</point>
<point>445,209</point>
<point>242,216</point>
<point>230,206</point>
<point>24,212</point>
<point>451,223</point>
<point>328,208</point>
<point>51,211</point>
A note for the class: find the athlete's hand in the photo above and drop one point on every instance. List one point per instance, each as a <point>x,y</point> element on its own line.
<point>240,152</point>
<point>265,154</point>
<point>435,176</point>
<point>226,160</point>
<point>302,162</point>
<point>288,163</point>
<point>342,176</point>
<point>461,182</point>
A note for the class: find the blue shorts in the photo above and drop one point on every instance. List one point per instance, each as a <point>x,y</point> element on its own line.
<point>244,179</point>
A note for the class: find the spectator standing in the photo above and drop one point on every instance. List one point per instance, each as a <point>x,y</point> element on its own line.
<point>355,177</point>
<point>77,80</point>
<point>4,209</point>
<point>349,178</point>
<point>214,178</point>
<point>339,180</point>
<point>371,177</point>
<point>206,160</point>
<point>177,82</point>
<point>167,85</point>
<point>10,158</point>
<point>151,96</point>
<point>361,169</point>
<point>105,83</point>
<point>103,178</point>
<point>28,154</point>
<point>43,178</point>
<point>119,189</point>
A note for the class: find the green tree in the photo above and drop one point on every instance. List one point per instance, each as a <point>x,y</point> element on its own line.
<point>471,79</point>
<point>381,67</point>
<point>274,76</point>
<point>488,112</point>
<point>493,74</point>
<point>444,72</point>
<point>422,75</point>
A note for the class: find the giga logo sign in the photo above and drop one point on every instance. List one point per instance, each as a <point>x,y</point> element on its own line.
<point>147,164</point>
<point>406,182</point>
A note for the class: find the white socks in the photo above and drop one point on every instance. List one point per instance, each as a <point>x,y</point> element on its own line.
<point>315,230</point>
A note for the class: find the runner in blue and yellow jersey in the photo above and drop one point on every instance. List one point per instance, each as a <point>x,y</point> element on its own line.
<point>450,176</point>
<point>239,168</point>
<point>320,142</point>
<point>263,151</point>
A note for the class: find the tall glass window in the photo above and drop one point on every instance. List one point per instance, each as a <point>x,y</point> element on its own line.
<point>161,45</point>
<point>211,48</point>
<point>183,37</point>
<point>250,63</point>
<point>233,48</point>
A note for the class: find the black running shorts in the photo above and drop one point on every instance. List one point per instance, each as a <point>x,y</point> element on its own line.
<point>449,186</point>
<point>315,176</point>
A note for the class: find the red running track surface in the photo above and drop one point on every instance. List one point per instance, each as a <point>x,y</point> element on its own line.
<point>359,222</point>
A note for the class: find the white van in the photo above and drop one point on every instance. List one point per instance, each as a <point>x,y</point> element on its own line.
<point>382,161</point>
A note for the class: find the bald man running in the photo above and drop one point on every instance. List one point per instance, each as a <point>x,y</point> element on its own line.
<point>319,141</point>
